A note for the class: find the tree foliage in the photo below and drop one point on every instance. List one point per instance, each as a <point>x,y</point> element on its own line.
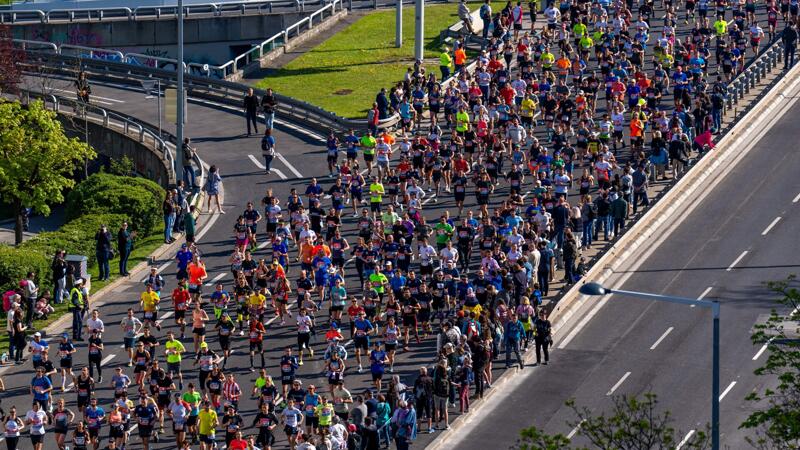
<point>37,159</point>
<point>632,424</point>
<point>10,59</point>
<point>776,421</point>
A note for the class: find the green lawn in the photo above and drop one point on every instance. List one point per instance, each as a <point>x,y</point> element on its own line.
<point>144,247</point>
<point>344,73</point>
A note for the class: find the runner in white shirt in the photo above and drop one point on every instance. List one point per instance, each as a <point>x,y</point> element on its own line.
<point>448,255</point>
<point>383,152</point>
<point>94,323</point>
<point>37,419</point>
<point>426,254</point>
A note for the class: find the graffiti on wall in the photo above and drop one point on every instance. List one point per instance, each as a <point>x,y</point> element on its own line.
<point>76,35</point>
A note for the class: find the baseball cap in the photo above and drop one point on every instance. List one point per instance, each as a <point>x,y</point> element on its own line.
<point>37,334</point>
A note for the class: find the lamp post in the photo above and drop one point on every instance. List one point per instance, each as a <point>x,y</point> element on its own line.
<point>592,288</point>
<point>181,100</point>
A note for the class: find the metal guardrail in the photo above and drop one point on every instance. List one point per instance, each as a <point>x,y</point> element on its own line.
<point>222,71</point>
<point>753,73</point>
<point>27,16</point>
<point>128,125</point>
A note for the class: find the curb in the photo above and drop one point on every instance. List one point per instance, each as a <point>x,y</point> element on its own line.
<point>726,154</point>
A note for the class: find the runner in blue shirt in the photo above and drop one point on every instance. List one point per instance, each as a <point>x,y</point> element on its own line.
<point>377,362</point>
<point>94,416</point>
<point>40,388</point>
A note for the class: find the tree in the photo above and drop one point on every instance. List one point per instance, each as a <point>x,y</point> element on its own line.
<point>633,424</point>
<point>37,159</point>
<point>776,422</point>
<point>10,59</point>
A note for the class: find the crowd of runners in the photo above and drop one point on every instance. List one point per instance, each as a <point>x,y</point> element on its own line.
<point>552,138</point>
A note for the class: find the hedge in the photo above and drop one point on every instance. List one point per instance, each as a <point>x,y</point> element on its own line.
<point>15,263</point>
<point>76,237</point>
<point>137,198</point>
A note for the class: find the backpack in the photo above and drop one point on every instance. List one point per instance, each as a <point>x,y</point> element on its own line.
<point>485,12</point>
<point>267,148</point>
<point>472,329</point>
<point>7,300</point>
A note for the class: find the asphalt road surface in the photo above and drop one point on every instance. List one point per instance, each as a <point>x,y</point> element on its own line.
<point>740,236</point>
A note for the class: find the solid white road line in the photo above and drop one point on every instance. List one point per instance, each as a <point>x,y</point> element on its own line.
<point>760,351</point>
<point>258,163</point>
<point>216,278</point>
<point>289,165</point>
<point>427,200</point>
<point>669,330</point>
<point>796,199</point>
<point>211,221</point>
<point>107,359</point>
<point>727,389</point>
<point>280,174</point>
<point>774,222</point>
<point>574,332</point>
<point>619,383</point>
<point>264,244</point>
<point>736,261</point>
<point>685,439</point>
<point>703,295</point>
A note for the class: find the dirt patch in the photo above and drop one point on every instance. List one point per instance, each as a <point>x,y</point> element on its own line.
<point>343,92</point>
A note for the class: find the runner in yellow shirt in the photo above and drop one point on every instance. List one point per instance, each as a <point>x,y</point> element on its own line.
<point>368,143</point>
<point>174,349</point>
<point>527,110</point>
<point>149,303</point>
<point>207,423</point>
<point>376,192</point>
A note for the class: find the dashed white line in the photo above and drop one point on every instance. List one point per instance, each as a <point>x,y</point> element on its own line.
<point>736,261</point>
<point>669,330</point>
<point>207,226</point>
<point>216,278</point>
<point>685,440</point>
<point>280,174</point>
<point>760,351</point>
<point>703,295</point>
<point>107,359</point>
<point>618,384</point>
<point>166,316</point>
<point>258,163</point>
<point>774,222</point>
<point>575,430</point>
<point>727,389</point>
<point>427,200</point>
<point>796,199</point>
<point>289,165</point>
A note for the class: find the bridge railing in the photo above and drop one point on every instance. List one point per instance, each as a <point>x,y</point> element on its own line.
<point>23,16</point>
<point>752,75</point>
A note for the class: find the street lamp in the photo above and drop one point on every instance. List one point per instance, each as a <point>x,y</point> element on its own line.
<point>593,289</point>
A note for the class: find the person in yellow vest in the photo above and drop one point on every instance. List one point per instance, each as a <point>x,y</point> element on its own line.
<point>77,306</point>
<point>445,63</point>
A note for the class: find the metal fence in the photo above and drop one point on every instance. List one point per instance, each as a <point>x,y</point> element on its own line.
<point>28,16</point>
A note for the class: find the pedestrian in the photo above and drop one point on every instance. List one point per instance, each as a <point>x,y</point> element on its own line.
<point>513,334</point>
<point>30,292</point>
<point>59,267</point>
<point>124,247</point>
<point>543,337</point>
<point>189,154</point>
<point>169,209</point>
<point>268,149</point>
<point>640,185</point>
<point>19,329</point>
<point>789,38</point>
<point>269,105</point>
<point>250,103</point>
<point>212,188</point>
<point>189,225</point>
<point>619,213</point>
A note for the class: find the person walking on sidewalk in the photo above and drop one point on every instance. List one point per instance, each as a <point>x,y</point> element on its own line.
<point>189,176</point>
<point>59,268</point>
<point>543,338</point>
<point>250,104</point>
<point>103,252</point>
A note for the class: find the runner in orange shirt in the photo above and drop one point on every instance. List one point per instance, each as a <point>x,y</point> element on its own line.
<point>197,274</point>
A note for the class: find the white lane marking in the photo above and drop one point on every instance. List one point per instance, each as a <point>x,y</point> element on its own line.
<point>211,221</point>
<point>774,222</point>
<point>575,430</point>
<point>216,278</point>
<point>583,323</point>
<point>263,244</point>
<point>669,330</point>
<point>166,316</point>
<point>289,165</point>
<point>736,261</point>
<point>308,133</point>
<point>280,174</point>
<point>258,163</point>
<point>619,383</point>
<point>727,389</point>
<point>760,351</point>
<point>158,270</point>
<point>427,200</point>
<point>703,295</point>
<point>92,97</point>
<point>134,338</point>
<point>685,440</point>
<point>107,359</point>
<point>133,428</point>
<point>796,199</point>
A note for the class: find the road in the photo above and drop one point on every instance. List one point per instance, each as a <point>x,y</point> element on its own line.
<point>740,236</point>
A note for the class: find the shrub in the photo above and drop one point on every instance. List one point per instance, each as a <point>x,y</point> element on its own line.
<point>15,263</point>
<point>138,199</point>
<point>75,237</point>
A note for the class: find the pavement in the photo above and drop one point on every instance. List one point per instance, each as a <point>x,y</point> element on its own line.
<point>36,225</point>
<point>586,368</point>
<point>737,238</point>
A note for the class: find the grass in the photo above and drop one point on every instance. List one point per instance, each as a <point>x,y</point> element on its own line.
<point>344,73</point>
<point>144,247</point>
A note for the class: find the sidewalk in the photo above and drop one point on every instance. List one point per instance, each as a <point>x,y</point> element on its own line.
<point>37,225</point>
